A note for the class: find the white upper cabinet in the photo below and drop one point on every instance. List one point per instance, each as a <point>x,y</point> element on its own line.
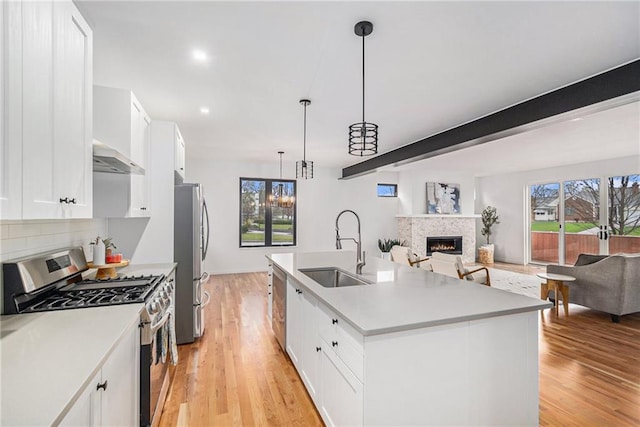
<point>47,103</point>
<point>121,122</point>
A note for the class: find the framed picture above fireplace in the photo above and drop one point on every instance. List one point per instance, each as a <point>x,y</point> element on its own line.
<point>443,198</point>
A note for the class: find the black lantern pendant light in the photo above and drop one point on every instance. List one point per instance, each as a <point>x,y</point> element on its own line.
<point>304,168</point>
<point>363,136</point>
<point>280,198</point>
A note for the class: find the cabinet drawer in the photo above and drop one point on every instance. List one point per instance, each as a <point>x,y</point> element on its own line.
<point>343,340</point>
<point>333,327</point>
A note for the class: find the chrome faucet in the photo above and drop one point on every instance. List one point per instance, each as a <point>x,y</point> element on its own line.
<point>360,255</point>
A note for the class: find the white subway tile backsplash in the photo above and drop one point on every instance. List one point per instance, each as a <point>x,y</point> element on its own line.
<point>24,230</point>
<point>4,231</point>
<point>22,238</point>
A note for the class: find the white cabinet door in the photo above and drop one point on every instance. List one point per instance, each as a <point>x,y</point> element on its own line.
<point>342,393</point>
<point>120,400</point>
<point>73,97</point>
<point>294,324</point>
<point>56,111</point>
<point>40,196</point>
<point>180,154</point>
<point>140,184</point>
<point>11,52</point>
<point>87,410</point>
<point>311,347</point>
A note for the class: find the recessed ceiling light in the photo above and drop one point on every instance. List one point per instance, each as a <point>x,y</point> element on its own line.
<point>200,55</point>
<point>204,110</point>
<point>577,119</point>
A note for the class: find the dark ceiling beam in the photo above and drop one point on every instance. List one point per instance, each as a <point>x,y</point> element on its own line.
<point>617,82</point>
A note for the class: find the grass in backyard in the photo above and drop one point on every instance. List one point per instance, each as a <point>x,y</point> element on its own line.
<point>259,237</point>
<point>570,227</point>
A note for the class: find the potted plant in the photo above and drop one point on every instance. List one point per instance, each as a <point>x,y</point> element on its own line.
<point>489,218</point>
<point>386,245</point>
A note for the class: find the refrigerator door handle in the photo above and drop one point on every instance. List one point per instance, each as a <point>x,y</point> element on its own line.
<point>205,246</point>
<point>208,300</point>
<point>201,280</point>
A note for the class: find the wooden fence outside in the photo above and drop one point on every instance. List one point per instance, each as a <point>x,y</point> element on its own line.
<point>544,246</point>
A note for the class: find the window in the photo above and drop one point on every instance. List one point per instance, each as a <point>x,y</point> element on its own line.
<point>387,190</point>
<point>267,212</point>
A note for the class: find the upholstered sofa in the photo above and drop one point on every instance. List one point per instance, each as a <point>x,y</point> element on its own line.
<point>605,283</point>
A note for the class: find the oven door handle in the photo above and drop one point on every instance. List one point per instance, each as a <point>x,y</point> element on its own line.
<point>157,325</point>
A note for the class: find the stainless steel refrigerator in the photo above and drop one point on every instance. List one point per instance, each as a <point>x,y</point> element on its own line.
<point>191,241</point>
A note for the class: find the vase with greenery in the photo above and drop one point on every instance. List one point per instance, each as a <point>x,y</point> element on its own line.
<point>385,246</point>
<point>489,219</point>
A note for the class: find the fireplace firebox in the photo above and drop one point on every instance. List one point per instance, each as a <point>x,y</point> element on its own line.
<point>444,244</point>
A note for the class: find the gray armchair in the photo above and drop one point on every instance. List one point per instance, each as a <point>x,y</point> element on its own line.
<point>605,283</point>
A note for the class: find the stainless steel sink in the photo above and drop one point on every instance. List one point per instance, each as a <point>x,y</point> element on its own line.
<point>333,277</point>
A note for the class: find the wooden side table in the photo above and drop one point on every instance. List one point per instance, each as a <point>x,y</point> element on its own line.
<point>555,282</point>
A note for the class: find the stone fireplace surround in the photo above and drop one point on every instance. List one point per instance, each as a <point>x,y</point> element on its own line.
<point>414,230</point>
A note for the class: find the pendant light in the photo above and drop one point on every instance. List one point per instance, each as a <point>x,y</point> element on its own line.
<point>363,136</point>
<point>304,168</point>
<point>280,198</point>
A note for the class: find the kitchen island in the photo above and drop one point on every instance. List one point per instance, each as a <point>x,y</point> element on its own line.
<point>412,348</point>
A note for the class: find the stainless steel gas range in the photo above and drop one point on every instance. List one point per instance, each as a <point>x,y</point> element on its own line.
<point>54,281</point>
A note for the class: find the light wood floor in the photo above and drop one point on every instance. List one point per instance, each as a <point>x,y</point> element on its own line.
<point>236,375</point>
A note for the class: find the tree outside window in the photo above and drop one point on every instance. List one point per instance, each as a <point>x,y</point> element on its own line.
<point>267,212</point>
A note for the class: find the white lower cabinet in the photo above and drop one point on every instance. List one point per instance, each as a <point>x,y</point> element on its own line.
<point>87,410</point>
<point>336,391</point>
<point>342,402</point>
<point>112,396</point>
<point>479,372</point>
<point>295,326</point>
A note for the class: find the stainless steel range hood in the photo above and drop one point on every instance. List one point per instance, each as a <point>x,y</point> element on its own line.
<point>108,159</point>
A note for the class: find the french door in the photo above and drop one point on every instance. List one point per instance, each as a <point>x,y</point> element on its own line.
<point>594,215</point>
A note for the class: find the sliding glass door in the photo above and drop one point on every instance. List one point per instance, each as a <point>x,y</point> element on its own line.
<point>621,231</point>
<point>581,219</point>
<point>544,222</point>
<point>584,216</point>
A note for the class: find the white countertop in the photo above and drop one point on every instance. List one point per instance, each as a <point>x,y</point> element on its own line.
<point>402,297</point>
<point>48,358</point>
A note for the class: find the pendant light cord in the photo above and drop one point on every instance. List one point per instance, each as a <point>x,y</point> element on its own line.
<point>304,136</point>
<point>363,77</point>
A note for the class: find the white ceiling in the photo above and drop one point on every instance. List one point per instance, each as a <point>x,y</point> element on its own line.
<point>430,66</point>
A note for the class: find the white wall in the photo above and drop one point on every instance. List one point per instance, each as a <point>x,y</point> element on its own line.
<point>23,238</point>
<point>319,200</point>
<point>412,189</point>
<point>509,192</point>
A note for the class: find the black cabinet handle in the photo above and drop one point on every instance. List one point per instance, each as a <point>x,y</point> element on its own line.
<point>334,343</point>
<point>65,200</point>
<point>298,291</point>
<point>102,386</point>
<point>318,348</point>
<point>334,321</point>
<point>72,201</point>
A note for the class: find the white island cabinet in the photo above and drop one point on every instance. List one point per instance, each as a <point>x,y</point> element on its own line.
<point>413,348</point>
<point>47,163</point>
